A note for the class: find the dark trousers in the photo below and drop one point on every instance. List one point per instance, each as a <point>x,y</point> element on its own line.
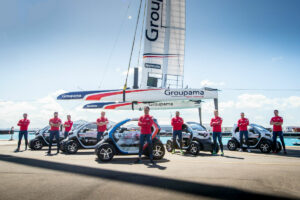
<point>242,133</point>
<point>21,133</point>
<point>280,134</point>
<point>179,134</point>
<point>66,134</point>
<point>52,135</point>
<point>99,136</point>
<point>147,137</point>
<point>219,136</point>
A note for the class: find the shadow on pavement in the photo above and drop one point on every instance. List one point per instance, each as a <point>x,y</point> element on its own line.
<point>294,153</point>
<point>130,161</point>
<point>194,188</point>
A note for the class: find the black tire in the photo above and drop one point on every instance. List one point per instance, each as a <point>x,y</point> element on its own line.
<point>169,146</point>
<point>232,145</point>
<point>265,146</point>
<point>62,147</point>
<point>105,152</point>
<point>158,150</point>
<point>71,147</point>
<point>194,148</point>
<point>278,147</point>
<point>36,144</point>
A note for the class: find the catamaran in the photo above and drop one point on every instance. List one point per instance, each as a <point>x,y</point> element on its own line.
<point>161,85</point>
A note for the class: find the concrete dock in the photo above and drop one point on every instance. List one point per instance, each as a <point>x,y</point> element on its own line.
<point>28,175</point>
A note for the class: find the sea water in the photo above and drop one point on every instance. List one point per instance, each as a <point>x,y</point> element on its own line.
<point>287,140</point>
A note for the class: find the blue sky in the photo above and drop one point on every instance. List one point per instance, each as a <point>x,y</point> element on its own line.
<point>47,46</point>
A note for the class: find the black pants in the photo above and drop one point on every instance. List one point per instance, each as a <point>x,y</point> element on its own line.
<point>52,134</point>
<point>21,133</point>
<point>179,134</point>
<point>280,135</point>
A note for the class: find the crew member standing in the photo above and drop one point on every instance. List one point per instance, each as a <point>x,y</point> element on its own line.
<point>177,123</point>
<point>54,123</point>
<point>145,122</point>
<point>243,128</point>
<point>68,126</point>
<point>101,126</point>
<point>277,122</point>
<point>216,124</point>
<point>11,132</point>
<point>23,123</point>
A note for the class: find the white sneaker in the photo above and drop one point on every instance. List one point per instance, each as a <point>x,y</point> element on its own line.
<point>241,150</point>
<point>249,150</point>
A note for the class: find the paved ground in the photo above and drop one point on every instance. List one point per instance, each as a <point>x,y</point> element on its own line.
<point>238,175</point>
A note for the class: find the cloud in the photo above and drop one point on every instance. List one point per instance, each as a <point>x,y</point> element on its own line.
<point>263,102</point>
<point>208,83</point>
<point>257,107</point>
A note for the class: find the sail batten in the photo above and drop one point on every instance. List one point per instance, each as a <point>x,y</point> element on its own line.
<point>164,44</point>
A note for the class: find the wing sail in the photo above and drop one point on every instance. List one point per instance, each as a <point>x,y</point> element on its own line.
<point>164,44</point>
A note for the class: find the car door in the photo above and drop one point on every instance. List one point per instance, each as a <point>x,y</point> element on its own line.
<point>127,137</point>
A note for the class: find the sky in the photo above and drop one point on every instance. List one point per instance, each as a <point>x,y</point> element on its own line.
<point>48,47</point>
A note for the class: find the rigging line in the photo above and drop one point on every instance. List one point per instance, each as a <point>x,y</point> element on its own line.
<point>114,45</point>
<point>141,38</point>
<point>137,22</point>
<point>252,89</point>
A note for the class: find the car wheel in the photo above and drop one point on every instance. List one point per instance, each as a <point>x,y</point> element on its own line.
<point>71,147</point>
<point>105,152</point>
<point>169,146</point>
<point>194,148</point>
<point>158,150</point>
<point>36,144</point>
<point>232,145</point>
<point>278,147</point>
<point>265,147</point>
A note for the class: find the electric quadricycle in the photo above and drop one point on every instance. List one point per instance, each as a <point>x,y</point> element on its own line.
<point>42,136</point>
<point>258,138</point>
<point>195,138</point>
<point>124,139</point>
<point>83,137</point>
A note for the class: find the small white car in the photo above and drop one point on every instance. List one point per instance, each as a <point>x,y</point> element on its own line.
<point>42,136</point>
<point>258,138</point>
<point>195,138</point>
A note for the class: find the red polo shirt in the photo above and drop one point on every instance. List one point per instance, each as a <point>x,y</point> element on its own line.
<point>101,128</point>
<point>216,123</point>
<point>146,122</point>
<point>243,124</point>
<point>277,119</point>
<point>177,123</point>
<point>54,120</point>
<point>24,123</point>
<point>70,123</point>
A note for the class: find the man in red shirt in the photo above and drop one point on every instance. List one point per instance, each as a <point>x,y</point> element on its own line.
<point>216,124</point>
<point>177,123</point>
<point>54,123</point>
<point>277,122</point>
<point>101,126</point>
<point>243,128</point>
<point>145,122</point>
<point>23,123</point>
<point>68,126</point>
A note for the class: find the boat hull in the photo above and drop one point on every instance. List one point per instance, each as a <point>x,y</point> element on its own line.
<point>142,95</point>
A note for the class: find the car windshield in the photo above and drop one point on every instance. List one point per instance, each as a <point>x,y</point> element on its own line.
<point>260,128</point>
<point>166,129</point>
<point>196,126</point>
